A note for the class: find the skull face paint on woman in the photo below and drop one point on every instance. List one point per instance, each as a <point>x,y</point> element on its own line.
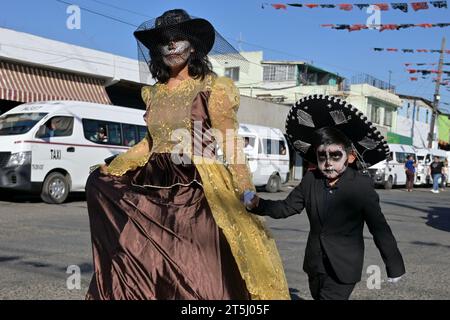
<point>332,160</point>
<point>176,52</point>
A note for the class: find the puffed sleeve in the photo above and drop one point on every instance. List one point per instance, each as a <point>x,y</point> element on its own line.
<point>138,155</point>
<point>223,107</point>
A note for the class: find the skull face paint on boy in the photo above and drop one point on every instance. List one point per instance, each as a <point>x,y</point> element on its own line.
<point>332,160</point>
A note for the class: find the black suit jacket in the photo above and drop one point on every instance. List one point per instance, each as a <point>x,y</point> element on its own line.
<point>340,234</point>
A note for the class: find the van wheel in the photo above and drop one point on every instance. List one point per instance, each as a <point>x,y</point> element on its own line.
<point>55,189</point>
<point>274,184</point>
<point>388,183</point>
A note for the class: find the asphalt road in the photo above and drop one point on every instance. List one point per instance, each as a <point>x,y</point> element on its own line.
<point>38,242</point>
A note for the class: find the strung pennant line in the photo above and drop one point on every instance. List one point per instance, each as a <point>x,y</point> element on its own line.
<point>445,83</point>
<point>429,71</point>
<point>402,6</point>
<point>410,50</point>
<point>424,64</point>
<point>383,27</point>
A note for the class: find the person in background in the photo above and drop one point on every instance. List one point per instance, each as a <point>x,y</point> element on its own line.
<point>282,148</point>
<point>435,170</point>
<point>100,136</point>
<point>247,146</point>
<point>410,170</point>
<point>50,129</point>
<point>444,175</point>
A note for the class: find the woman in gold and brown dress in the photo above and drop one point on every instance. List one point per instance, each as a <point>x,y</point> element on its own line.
<point>167,222</point>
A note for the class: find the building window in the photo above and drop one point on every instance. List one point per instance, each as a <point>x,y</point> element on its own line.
<point>388,117</point>
<point>279,72</point>
<point>375,114</point>
<point>232,73</point>
<point>417,114</point>
<point>408,109</point>
<point>427,116</point>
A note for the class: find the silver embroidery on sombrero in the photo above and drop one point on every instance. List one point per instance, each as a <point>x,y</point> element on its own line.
<point>338,116</point>
<point>305,119</point>
<point>302,146</point>
<point>368,143</point>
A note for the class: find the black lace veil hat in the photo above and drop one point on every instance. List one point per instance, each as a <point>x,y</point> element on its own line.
<point>177,24</point>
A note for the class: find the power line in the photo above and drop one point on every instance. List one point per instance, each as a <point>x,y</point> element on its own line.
<point>121,8</point>
<point>98,13</point>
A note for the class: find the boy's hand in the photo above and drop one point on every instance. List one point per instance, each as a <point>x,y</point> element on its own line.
<point>251,200</point>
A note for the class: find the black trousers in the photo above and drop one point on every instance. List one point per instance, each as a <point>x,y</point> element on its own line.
<point>326,286</point>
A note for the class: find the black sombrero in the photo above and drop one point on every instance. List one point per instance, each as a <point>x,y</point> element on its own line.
<point>318,111</point>
<point>176,22</point>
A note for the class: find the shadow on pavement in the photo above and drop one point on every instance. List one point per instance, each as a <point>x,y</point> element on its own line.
<point>20,197</point>
<point>439,218</point>
<point>294,294</point>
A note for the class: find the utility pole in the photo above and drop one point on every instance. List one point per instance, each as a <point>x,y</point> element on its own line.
<point>390,72</point>
<point>413,121</point>
<point>436,97</point>
<point>240,40</point>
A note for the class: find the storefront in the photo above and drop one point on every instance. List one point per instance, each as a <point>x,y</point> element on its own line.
<point>20,83</point>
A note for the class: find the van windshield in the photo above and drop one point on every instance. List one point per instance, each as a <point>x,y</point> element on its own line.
<point>19,123</point>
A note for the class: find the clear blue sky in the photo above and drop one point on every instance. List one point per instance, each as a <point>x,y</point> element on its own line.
<point>293,34</point>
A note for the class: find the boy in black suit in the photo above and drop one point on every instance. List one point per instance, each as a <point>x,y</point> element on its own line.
<point>338,200</point>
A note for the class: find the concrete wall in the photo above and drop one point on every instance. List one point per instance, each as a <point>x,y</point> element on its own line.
<point>291,91</point>
<point>251,72</point>
<point>366,97</point>
<point>255,111</point>
<point>421,130</point>
<point>368,90</point>
<point>422,118</point>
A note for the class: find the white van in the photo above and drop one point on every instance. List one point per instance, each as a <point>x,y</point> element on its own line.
<point>391,172</point>
<point>48,147</point>
<point>268,155</point>
<point>424,159</point>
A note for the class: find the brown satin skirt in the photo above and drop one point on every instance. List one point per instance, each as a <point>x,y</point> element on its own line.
<point>158,242</point>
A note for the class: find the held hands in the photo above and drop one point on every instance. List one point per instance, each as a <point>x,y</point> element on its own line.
<point>103,169</point>
<point>250,199</point>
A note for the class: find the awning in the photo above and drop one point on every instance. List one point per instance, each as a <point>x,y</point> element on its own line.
<point>28,84</point>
